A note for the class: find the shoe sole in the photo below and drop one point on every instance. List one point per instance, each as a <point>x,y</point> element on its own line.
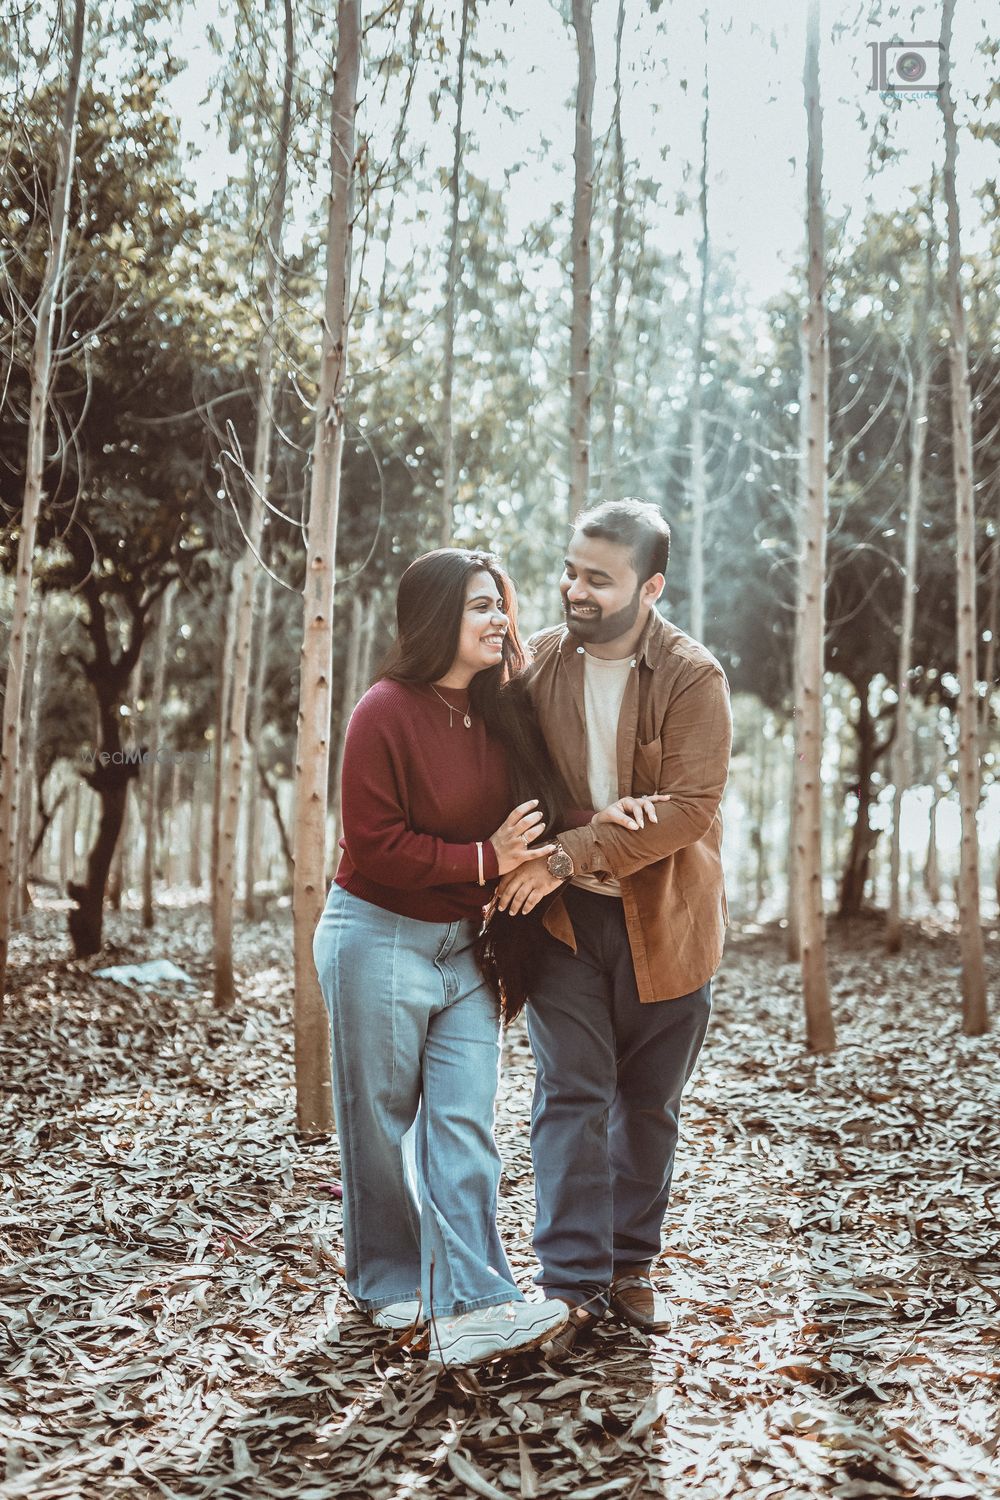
<point>549,1332</point>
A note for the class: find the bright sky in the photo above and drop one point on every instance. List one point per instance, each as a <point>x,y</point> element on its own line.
<point>757,121</point>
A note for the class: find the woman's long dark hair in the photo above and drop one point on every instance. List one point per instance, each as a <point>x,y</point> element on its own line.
<point>429,608</point>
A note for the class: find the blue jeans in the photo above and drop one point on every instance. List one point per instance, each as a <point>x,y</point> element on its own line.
<point>604,1121</point>
<point>415,1037</point>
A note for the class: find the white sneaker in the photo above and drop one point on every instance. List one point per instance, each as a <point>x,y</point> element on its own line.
<point>473,1338</point>
<point>398,1315</point>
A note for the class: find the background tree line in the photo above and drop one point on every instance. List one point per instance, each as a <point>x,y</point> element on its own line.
<point>228,422</point>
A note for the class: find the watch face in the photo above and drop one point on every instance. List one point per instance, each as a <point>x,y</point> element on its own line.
<point>560,865</point>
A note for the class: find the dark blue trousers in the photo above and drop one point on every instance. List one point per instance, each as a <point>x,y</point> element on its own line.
<point>610,1074</point>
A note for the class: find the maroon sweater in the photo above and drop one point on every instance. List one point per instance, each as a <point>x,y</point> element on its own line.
<point>416,795</point>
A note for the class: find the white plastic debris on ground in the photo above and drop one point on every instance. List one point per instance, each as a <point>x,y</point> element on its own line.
<point>157,971</point>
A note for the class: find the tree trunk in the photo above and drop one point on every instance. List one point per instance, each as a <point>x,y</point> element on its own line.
<point>46,817</point>
<point>153,780</point>
<point>67,837</point>
<point>697,483</point>
<point>990,668</point>
<point>27,754</point>
<point>932,865</point>
<point>86,923</point>
<point>975,1020</point>
<point>812,579</point>
<point>368,645</point>
<point>617,255</point>
<point>112,769</point>
<point>451,300</point>
<point>350,694</point>
<point>251,906</point>
<point>233,750</point>
<point>863,836</point>
<point>763,804</point>
<point>271,792</point>
<point>583,211</point>
<point>116,875</point>
<point>196,827</point>
<point>902,747</point>
<point>793,934</point>
<point>173,819</point>
<point>41,370</point>
<point>993,625</point>
<point>314,1111</point>
<point>228,611</point>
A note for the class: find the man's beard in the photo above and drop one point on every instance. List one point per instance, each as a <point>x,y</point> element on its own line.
<point>601,628</point>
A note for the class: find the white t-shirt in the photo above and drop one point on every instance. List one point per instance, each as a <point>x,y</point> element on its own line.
<point>604,684</point>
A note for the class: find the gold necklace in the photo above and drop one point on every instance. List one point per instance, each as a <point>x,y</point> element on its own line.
<point>452,710</point>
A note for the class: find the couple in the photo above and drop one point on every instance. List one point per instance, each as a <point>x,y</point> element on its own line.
<point>581,788</point>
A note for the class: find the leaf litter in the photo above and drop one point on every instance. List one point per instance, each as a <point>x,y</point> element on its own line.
<point>174,1321</point>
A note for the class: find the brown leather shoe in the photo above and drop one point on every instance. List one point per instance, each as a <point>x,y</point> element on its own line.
<point>637,1301</point>
<point>573,1332</point>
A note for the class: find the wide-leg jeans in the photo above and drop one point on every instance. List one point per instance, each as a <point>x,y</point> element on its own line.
<point>415,1037</point>
<point>606,1109</point>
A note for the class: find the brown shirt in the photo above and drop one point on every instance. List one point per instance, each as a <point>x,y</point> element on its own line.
<point>674,735</point>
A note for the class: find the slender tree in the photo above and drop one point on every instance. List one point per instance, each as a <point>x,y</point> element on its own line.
<point>350,694</point>
<point>696,481</point>
<point>975,1020</point>
<point>117,875</point>
<point>612,334</point>
<point>251,907</point>
<point>451,300</point>
<point>41,374</point>
<point>583,213</point>
<point>932,863</point>
<point>227,619</point>
<point>812,576</point>
<point>993,625</point>
<point>312,752</point>
<point>27,755</point>
<point>918,433</point>
<point>153,780</point>
<point>195,825</point>
<point>233,748</point>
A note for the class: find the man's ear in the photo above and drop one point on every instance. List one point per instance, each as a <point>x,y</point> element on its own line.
<point>653,588</point>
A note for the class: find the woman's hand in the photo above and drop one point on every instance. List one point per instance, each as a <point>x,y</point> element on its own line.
<point>631,812</point>
<point>512,838</point>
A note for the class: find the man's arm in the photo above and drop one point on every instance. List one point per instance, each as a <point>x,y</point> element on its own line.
<point>695,745</point>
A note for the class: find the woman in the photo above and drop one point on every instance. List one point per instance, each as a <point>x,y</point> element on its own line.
<point>434,753</point>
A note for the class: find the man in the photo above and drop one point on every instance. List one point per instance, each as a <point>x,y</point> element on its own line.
<point>630,707</point>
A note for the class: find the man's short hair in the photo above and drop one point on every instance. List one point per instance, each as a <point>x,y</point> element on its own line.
<point>636,524</point>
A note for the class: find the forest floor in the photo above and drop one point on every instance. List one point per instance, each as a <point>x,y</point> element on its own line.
<point>173,1320</point>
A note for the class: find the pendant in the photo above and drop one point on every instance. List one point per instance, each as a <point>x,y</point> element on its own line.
<point>467,722</point>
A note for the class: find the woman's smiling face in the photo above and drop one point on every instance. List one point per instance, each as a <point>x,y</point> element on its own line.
<point>484,626</point>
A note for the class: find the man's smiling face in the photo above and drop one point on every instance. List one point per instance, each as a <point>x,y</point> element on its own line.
<point>600,588</point>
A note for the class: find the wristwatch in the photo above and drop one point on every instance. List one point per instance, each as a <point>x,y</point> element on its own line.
<point>560,863</point>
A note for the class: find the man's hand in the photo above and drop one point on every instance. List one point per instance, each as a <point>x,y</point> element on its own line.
<point>521,890</point>
<point>631,812</point>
